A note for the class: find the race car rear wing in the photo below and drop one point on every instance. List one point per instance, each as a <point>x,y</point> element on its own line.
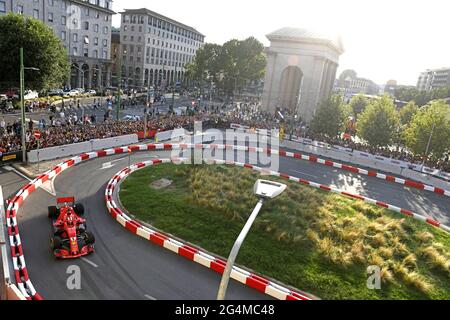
<point>65,200</point>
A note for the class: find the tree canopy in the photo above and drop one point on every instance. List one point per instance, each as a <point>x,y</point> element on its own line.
<point>407,112</point>
<point>431,120</point>
<point>42,50</point>
<point>329,117</point>
<point>421,98</point>
<point>231,65</point>
<point>379,122</point>
<point>358,103</point>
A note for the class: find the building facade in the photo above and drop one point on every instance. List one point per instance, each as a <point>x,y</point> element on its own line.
<point>301,68</point>
<point>84,27</point>
<point>349,84</point>
<point>433,79</point>
<point>155,49</point>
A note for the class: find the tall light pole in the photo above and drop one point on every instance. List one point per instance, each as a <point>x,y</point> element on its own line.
<point>429,143</point>
<point>173,89</point>
<point>119,94</point>
<point>22,106</point>
<point>22,103</point>
<point>263,189</point>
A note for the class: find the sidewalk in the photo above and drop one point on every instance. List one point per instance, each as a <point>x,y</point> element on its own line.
<point>31,171</point>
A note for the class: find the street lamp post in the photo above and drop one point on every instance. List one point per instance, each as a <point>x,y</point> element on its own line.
<point>173,89</point>
<point>428,144</point>
<point>22,103</point>
<point>263,189</point>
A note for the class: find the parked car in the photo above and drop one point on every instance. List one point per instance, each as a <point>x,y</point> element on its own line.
<point>29,94</point>
<point>80,90</point>
<point>92,92</point>
<point>56,92</point>
<point>74,92</point>
<point>12,93</point>
<point>130,117</point>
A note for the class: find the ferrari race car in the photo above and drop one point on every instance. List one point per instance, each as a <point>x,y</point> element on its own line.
<point>70,238</point>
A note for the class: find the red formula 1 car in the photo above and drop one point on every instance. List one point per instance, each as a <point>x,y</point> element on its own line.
<point>70,239</point>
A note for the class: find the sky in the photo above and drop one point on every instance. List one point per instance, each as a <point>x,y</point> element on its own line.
<point>383,39</point>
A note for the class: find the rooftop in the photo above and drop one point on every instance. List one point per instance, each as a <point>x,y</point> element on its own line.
<point>160,16</point>
<point>306,35</point>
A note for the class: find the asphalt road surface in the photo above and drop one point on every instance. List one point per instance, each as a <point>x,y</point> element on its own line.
<point>123,266</point>
<point>127,267</point>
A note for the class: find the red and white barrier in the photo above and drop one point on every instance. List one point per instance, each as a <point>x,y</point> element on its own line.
<point>252,280</point>
<point>20,270</point>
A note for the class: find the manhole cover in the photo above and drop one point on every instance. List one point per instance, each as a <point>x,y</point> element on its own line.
<point>161,183</point>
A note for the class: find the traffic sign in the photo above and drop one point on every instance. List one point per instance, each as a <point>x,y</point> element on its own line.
<point>37,134</point>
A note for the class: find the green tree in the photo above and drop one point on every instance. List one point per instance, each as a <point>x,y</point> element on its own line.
<point>42,49</point>
<point>230,66</point>
<point>407,112</point>
<point>328,120</point>
<point>205,64</point>
<point>378,123</point>
<point>431,120</point>
<point>358,103</point>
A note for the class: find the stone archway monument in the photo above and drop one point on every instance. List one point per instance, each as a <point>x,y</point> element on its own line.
<point>301,69</point>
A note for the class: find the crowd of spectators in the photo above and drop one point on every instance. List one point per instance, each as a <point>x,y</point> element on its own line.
<point>71,129</point>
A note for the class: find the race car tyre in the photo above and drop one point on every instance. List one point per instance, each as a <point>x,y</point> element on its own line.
<point>79,209</point>
<point>55,243</point>
<point>53,212</point>
<point>89,238</point>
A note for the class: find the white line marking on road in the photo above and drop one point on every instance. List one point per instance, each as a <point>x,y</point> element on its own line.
<point>89,261</point>
<point>306,174</point>
<point>48,186</point>
<point>110,164</point>
<point>150,297</point>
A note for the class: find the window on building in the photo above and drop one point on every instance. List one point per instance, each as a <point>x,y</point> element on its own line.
<point>140,28</point>
<point>139,39</point>
<point>126,18</point>
<point>50,3</point>
<point>96,28</point>
<point>86,40</point>
<point>86,25</point>
<point>105,30</point>
<point>75,37</point>
<point>105,42</point>
<point>19,8</point>
<point>132,28</point>
<point>97,15</point>
<point>63,20</point>
<point>86,11</point>
<point>63,35</point>
<point>85,52</point>
<point>96,41</point>
<point>50,17</point>
<point>132,38</point>
<point>75,51</point>
<point>104,54</point>
<point>36,14</point>
<point>63,5</point>
<point>95,54</point>
<point>125,38</point>
<point>125,28</point>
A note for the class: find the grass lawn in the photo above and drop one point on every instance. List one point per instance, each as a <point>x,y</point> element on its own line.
<point>316,241</point>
